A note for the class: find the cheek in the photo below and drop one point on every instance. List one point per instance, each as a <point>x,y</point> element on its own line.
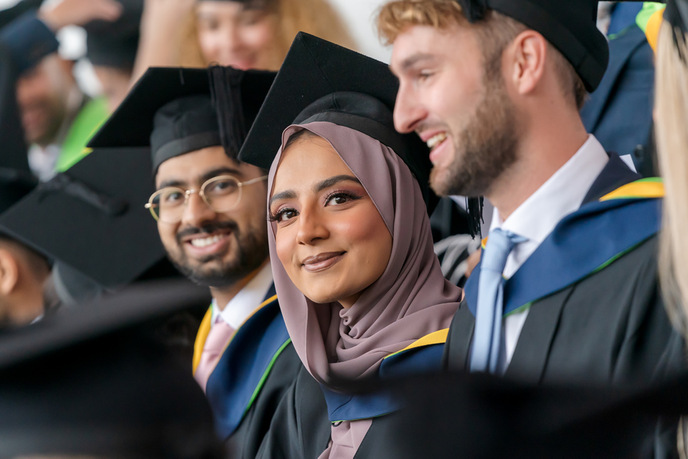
<point>285,246</point>
<point>365,233</point>
<point>258,37</point>
<point>209,42</point>
<point>167,234</point>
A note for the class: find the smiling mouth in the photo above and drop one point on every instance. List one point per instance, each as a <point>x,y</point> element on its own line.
<point>435,140</point>
<point>322,261</point>
<point>205,242</point>
<point>208,242</point>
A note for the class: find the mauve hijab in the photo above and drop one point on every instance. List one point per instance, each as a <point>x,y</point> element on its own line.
<point>410,300</point>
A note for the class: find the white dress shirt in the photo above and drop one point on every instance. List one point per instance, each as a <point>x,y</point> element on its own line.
<point>246,301</point>
<point>537,217</point>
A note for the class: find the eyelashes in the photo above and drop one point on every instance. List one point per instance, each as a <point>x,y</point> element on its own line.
<point>344,196</point>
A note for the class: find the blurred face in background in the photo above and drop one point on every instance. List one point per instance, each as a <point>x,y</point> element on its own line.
<point>43,96</point>
<point>241,35</point>
<point>115,84</point>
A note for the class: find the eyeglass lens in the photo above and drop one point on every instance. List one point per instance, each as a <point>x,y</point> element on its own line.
<point>221,194</point>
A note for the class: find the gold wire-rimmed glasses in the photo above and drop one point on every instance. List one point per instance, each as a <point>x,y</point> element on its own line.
<point>220,194</point>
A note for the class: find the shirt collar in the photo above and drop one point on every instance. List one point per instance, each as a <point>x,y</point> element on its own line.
<point>562,194</point>
<point>246,301</point>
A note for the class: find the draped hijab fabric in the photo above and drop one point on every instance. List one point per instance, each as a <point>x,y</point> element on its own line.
<point>410,300</point>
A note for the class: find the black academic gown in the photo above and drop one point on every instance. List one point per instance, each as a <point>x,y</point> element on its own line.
<point>301,426</point>
<point>608,328</point>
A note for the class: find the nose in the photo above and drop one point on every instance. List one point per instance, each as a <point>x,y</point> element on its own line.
<point>197,212</point>
<point>311,227</point>
<point>408,112</point>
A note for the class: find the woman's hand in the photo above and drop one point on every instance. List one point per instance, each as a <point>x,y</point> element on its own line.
<point>79,12</point>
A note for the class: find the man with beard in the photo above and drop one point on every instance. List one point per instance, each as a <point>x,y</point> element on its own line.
<point>211,214</point>
<point>567,287</point>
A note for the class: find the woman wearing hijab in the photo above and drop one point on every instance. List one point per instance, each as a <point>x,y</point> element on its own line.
<point>362,291</point>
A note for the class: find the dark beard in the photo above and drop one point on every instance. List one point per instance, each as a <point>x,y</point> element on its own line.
<point>251,253</point>
<point>485,148</point>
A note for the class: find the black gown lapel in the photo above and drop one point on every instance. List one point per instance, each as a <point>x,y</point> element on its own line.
<point>614,175</point>
<point>456,351</point>
<point>532,350</point>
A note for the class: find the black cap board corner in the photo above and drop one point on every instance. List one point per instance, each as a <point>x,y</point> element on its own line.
<point>92,217</point>
<point>171,112</point>
<point>320,80</point>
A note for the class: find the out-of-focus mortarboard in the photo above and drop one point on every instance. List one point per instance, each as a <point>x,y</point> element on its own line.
<point>485,417</point>
<point>8,15</point>
<point>321,81</point>
<point>115,44</point>
<point>96,382</point>
<point>91,220</point>
<point>175,111</point>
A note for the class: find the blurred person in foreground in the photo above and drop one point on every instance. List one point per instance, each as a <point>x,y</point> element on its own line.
<point>58,118</point>
<point>97,382</point>
<point>245,34</point>
<point>495,90</point>
<point>210,214</point>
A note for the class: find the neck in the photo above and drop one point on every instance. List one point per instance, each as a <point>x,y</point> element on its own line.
<point>551,138</point>
<point>223,295</point>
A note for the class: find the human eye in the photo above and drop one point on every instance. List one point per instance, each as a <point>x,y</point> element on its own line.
<point>222,186</point>
<point>172,197</point>
<point>283,215</point>
<point>340,197</point>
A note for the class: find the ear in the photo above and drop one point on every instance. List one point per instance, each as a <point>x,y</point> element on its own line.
<point>9,272</point>
<point>528,55</point>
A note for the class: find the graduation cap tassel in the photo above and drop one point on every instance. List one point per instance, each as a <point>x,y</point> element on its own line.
<point>226,97</point>
<point>474,207</point>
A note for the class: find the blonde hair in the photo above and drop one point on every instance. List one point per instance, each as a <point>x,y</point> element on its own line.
<point>494,34</point>
<point>672,145</point>
<point>316,17</point>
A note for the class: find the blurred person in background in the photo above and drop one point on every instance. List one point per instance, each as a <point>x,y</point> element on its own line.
<point>249,34</point>
<point>58,118</point>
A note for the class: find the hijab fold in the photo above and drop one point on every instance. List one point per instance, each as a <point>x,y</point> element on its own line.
<point>410,300</point>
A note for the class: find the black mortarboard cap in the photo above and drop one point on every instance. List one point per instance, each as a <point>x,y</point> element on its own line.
<point>321,81</point>
<point>172,111</point>
<point>97,382</point>
<point>570,26</point>
<point>115,44</point>
<point>92,218</point>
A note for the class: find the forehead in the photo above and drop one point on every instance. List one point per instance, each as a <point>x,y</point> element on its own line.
<point>417,43</point>
<point>190,166</point>
<point>307,162</point>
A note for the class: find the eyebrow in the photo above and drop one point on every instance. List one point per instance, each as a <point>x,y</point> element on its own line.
<point>290,194</point>
<point>203,178</point>
<point>414,59</point>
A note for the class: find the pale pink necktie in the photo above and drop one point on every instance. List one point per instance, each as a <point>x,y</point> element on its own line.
<point>215,343</point>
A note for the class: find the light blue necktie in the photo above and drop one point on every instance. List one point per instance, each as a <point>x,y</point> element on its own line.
<point>488,318</point>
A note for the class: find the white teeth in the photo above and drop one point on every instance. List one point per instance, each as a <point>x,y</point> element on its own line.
<point>436,140</point>
<point>205,242</point>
